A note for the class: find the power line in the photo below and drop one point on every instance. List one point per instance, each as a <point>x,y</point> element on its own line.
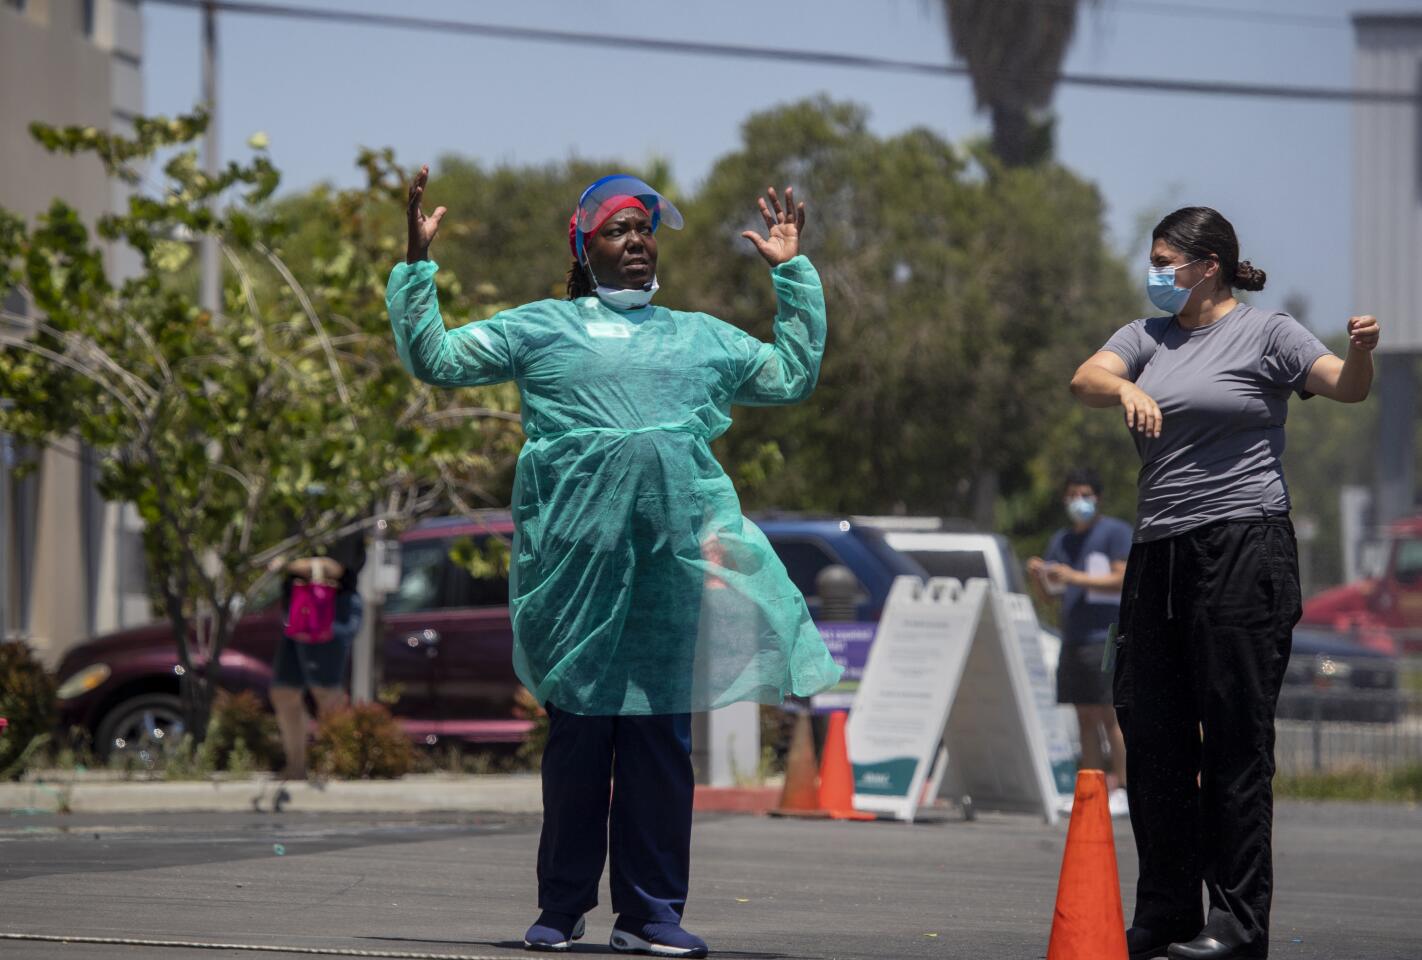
<point>782,56</point>
<point>1225,15</point>
<point>1252,15</point>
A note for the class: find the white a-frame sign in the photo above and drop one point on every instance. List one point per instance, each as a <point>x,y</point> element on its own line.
<point>946,701</point>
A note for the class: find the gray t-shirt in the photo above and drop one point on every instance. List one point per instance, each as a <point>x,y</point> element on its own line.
<point>1223,392</point>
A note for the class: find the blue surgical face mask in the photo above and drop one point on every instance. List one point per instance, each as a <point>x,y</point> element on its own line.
<point>1081,509</point>
<point>1161,288</point>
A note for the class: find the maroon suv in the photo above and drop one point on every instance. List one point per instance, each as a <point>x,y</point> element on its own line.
<point>444,645</point>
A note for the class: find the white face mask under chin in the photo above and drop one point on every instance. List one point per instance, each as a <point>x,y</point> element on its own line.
<point>619,299</point>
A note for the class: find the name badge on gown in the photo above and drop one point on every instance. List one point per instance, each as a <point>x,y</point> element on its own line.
<point>617,330</point>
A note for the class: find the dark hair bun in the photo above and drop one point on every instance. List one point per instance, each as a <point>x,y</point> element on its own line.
<point>1248,277</point>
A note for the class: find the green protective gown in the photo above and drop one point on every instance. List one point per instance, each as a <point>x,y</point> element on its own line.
<point>636,586</point>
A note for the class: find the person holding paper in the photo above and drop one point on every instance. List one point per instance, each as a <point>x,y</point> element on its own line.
<point>1082,570</point>
<point>1211,594</point>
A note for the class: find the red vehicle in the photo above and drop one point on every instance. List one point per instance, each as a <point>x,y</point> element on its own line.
<point>1385,607</point>
<point>444,645</point>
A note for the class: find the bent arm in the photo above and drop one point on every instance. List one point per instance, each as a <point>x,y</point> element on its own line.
<point>476,354</point>
<point>1099,381</point>
<point>787,370</point>
<point>1347,381</point>
<point>1114,580</point>
<point>304,568</point>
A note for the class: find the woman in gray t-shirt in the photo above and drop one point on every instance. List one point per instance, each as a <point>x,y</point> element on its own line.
<point>1211,593</point>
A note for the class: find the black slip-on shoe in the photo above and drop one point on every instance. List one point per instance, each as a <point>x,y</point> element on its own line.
<point>1145,944</point>
<point>1205,947</point>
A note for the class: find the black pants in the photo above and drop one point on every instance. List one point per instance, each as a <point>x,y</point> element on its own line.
<point>1207,624</point>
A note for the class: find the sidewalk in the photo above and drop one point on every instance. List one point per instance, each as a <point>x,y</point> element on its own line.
<point>503,793</point>
<point>486,793</point>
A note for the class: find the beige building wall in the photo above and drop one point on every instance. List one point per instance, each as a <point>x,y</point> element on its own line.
<point>68,556</point>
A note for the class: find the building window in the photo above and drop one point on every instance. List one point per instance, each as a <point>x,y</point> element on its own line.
<point>424,570</point>
<point>804,559</point>
<point>88,17</point>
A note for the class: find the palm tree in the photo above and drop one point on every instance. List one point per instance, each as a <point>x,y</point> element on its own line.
<point>1014,50</point>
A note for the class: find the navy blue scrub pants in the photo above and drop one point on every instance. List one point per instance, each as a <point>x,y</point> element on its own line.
<point>638,770</point>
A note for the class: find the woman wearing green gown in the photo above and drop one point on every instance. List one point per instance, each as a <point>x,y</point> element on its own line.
<point>639,593</point>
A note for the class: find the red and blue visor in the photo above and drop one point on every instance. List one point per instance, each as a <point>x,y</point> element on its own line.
<point>611,194</point>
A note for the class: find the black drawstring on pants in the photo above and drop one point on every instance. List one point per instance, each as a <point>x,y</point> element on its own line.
<point>1170,584</point>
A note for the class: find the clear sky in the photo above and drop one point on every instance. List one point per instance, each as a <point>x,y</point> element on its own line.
<point>1279,170</point>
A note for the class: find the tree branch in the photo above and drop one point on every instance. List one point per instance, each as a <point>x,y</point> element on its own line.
<point>458,413</point>
<point>74,365</point>
<point>306,305</point>
<point>86,345</point>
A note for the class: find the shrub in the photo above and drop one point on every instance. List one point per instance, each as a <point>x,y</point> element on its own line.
<point>27,704</point>
<point>242,736</point>
<point>361,742</point>
<point>777,727</point>
<point>530,752</point>
<point>1400,785</point>
<point>183,760</point>
<point>459,758</point>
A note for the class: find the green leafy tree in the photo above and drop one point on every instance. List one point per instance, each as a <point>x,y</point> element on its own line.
<point>1330,445</point>
<point>273,426</point>
<point>27,706</point>
<point>961,295</point>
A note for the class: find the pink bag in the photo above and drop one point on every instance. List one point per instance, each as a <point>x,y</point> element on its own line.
<point>313,613</point>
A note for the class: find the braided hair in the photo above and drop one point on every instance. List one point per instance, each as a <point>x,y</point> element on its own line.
<point>580,281</point>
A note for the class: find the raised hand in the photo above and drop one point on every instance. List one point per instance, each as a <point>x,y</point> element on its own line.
<point>785,225</point>
<point>422,228</point>
<point>1363,332</point>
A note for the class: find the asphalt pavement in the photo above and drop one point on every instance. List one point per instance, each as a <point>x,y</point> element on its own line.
<point>1349,885</point>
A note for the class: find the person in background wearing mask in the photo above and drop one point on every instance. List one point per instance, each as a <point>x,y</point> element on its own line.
<point>1083,568</point>
<point>639,593</point>
<point>1211,594</point>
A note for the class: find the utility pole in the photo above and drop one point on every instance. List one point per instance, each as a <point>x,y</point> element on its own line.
<point>1397,425</point>
<point>6,456</point>
<point>210,290</point>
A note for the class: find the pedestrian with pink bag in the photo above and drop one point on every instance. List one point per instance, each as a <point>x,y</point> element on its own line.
<point>322,615</point>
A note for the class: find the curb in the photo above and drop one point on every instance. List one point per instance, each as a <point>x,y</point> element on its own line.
<point>490,793</point>
<point>759,800</point>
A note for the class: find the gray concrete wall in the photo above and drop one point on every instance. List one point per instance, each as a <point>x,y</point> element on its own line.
<point>53,70</point>
<point>1387,179</point>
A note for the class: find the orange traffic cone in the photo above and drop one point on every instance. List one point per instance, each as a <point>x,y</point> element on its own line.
<point>801,795</point>
<point>837,776</point>
<point>1088,924</point>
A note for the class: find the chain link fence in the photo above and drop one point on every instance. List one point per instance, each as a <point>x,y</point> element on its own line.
<point>1351,703</point>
